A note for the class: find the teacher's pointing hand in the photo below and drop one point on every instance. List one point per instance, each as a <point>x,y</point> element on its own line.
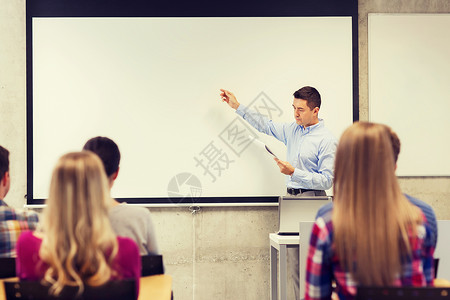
<point>229,98</point>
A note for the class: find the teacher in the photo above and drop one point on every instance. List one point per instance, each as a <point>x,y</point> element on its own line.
<point>310,145</point>
<point>310,150</point>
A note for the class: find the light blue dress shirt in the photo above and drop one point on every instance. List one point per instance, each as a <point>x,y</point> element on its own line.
<point>310,150</point>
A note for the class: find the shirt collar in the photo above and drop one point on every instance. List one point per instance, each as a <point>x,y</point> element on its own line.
<point>312,127</point>
<point>3,203</point>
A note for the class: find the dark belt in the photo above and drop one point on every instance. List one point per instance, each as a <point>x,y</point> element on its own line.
<point>300,191</point>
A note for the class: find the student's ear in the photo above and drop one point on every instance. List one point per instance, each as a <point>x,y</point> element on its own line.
<point>5,183</point>
<point>5,179</point>
<point>115,174</point>
<point>112,178</point>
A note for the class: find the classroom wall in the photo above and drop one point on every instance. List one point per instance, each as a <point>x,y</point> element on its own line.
<point>216,253</point>
<point>433,190</point>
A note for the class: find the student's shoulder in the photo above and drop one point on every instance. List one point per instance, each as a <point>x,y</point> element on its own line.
<point>324,218</point>
<point>29,215</point>
<point>127,246</point>
<point>418,202</point>
<point>325,211</point>
<point>425,207</point>
<point>27,242</point>
<point>28,235</point>
<point>10,213</point>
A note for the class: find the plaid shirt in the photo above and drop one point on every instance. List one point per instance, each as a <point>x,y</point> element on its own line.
<point>12,224</point>
<point>323,265</point>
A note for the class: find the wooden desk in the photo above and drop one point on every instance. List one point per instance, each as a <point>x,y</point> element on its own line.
<point>156,287</point>
<point>2,287</point>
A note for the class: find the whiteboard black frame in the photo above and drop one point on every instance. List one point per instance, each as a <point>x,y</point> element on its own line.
<point>143,8</point>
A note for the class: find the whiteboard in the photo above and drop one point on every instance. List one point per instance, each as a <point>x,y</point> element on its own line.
<point>409,87</point>
<point>152,85</point>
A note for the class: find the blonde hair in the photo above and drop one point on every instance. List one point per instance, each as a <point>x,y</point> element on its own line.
<point>79,245</point>
<point>372,219</point>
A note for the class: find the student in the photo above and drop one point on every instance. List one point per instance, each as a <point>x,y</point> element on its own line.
<point>12,221</point>
<point>310,151</point>
<point>372,235</point>
<point>126,220</point>
<point>77,245</point>
<point>427,210</point>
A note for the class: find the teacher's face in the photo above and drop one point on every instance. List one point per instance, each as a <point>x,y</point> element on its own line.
<point>303,115</point>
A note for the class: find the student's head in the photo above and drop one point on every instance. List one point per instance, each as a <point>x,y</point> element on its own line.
<point>76,227</point>
<point>109,153</point>
<point>371,217</point>
<point>396,145</point>
<point>4,172</point>
<point>78,187</point>
<point>363,157</point>
<point>306,106</point>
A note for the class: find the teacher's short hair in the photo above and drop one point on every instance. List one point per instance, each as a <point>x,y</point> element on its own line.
<point>310,94</point>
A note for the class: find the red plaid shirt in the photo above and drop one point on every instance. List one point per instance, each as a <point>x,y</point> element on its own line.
<point>12,223</point>
<point>323,265</point>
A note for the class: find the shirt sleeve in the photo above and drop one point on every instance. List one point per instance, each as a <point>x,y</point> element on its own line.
<point>318,265</point>
<point>429,245</point>
<point>323,178</point>
<point>262,123</point>
<point>430,219</point>
<point>431,227</point>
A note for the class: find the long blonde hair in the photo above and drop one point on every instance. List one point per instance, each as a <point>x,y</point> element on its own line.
<point>79,245</point>
<point>372,220</point>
